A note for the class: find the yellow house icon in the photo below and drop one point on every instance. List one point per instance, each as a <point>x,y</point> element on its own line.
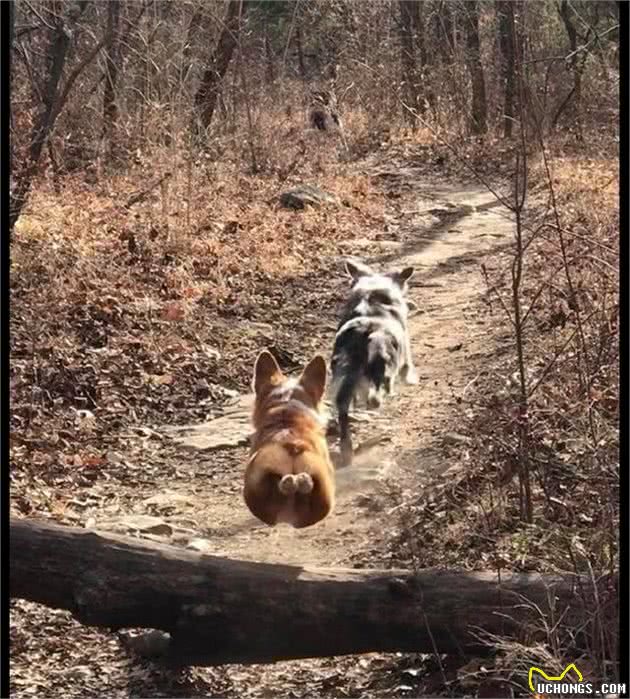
<point>549,678</point>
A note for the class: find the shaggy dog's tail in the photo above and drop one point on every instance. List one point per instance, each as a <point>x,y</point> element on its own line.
<point>378,359</point>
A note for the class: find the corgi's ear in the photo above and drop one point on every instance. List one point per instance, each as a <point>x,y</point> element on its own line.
<point>357,269</point>
<point>313,379</point>
<point>266,371</point>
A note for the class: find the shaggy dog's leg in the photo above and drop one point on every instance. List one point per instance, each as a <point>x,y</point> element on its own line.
<point>408,370</point>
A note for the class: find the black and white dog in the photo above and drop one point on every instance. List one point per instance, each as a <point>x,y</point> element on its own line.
<point>371,345</point>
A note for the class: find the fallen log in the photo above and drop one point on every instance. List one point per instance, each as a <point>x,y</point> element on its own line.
<point>218,610</point>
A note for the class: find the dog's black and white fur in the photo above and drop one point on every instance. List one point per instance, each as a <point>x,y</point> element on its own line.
<point>371,345</point>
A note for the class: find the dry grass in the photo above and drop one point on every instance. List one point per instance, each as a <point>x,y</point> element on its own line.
<point>573,386</point>
<point>153,313</point>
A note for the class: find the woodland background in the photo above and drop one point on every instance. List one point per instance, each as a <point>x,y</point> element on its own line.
<point>148,142</point>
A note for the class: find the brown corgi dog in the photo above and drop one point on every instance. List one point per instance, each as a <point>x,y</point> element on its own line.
<point>289,477</point>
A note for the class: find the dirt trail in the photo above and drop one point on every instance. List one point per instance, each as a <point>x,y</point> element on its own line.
<point>191,496</point>
<point>452,231</point>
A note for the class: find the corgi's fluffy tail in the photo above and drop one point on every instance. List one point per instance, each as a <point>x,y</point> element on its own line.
<point>296,483</point>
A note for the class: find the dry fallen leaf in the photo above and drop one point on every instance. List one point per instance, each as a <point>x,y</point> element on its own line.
<point>173,312</point>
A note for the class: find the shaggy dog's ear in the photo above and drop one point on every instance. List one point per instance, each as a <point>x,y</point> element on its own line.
<point>358,269</point>
<point>266,371</point>
<point>401,278</point>
<point>313,379</point>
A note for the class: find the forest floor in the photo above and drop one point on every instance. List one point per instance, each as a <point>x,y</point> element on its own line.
<point>94,445</point>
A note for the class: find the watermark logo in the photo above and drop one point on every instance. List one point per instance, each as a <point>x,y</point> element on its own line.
<point>564,684</point>
<point>548,678</point>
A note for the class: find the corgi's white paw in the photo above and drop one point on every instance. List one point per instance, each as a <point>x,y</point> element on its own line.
<point>287,484</point>
<point>304,483</point>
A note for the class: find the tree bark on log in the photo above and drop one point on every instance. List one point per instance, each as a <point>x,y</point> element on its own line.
<point>218,610</point>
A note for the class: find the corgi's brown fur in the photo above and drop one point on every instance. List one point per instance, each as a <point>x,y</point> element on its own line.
<point>289,477</point>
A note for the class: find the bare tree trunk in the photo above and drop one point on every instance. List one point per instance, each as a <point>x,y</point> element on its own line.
<point>248,109</point>
<point>11,12</point>
<point>419,38</point>
<point>112,67</point>
<point>473,60</point>
<point>300,52</point>
<point>58,46</point>
<point>444,31</point>
<point>191,33</point>
<point>426,57</point>
<point>409,29</point>
<point>577,67</point>
<point>218,610</point>
<point>131,25</point>
<point>11,25</point>
<point>144,75</point>
<point>208,93</point>
<point>505,26</point>
<point>54,97</point>
<point>270,72</point>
